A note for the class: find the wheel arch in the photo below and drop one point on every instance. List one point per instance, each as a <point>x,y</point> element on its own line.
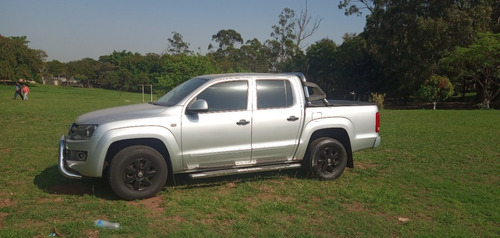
<point>338,134</point>
<point>154,143</point>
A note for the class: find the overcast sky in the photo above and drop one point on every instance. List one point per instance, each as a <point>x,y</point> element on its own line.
<point>69,30</point>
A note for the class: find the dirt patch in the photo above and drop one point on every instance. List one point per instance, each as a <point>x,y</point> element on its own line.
<point>2,216</point>
<point>267,194</point>
<point>266,189</point>
<point>49,200</point>
<point>153,204</point>
<point>208,221</point>
<point>364,165</point>
<point>177,219</point>
<point>6,150</point>
<point>91,233</point>
<point>231,185</point>
<point>7,203</point>
<point>355,207</point>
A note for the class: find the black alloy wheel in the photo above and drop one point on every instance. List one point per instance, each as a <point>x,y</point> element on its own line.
<point>137,172</point>
<point>327,158</point>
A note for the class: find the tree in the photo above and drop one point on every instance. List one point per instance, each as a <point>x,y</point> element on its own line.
<point>8,59</point>
<point>227,39</point>
<point>126,73</point>
<point>17,60</point>
<point>303,31</point>
<point>408,38</point>
<point>177,46</point>
<point>320,58</point>
<point>495,17</point>
<point>356,70</point>
<point>436,88</point>
<point>88,71</point>
<point>351,7</point>
<point>227,55</point>
<point>254,56</point>
<point>283,45</point>
<point>175,69</point>
<point>56,68</point>
<point>481,62</point>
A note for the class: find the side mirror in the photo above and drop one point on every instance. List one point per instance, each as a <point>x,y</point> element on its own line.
<point>197,106</point>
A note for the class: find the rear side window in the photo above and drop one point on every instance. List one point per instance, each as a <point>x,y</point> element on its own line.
<point>274,94</point>
<point>227,96</point>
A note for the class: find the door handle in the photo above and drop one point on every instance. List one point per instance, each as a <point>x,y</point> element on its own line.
<point>292,118</point>
<point>242,122</point>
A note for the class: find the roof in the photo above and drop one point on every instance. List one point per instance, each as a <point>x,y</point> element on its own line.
<point>247,75</point>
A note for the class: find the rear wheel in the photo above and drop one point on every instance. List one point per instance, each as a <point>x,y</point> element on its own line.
<point>327,158</point>
<point>137,172</point>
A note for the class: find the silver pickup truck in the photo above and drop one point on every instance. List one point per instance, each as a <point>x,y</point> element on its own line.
<point>218,125</point>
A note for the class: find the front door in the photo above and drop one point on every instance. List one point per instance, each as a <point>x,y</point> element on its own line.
<point>220,137</point>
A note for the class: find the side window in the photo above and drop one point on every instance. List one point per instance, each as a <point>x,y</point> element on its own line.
<point>227,96</point>
<point>274,94</point>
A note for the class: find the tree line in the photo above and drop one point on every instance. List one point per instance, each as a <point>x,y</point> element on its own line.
<point>408,48</point>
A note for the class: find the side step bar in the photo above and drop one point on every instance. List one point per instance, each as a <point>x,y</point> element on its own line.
<point>217,173</point>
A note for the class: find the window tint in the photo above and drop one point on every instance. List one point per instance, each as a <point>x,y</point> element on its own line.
<point>226,96</point>
<point>274,94</point>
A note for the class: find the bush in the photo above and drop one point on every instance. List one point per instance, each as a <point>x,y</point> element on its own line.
<point>378,98</point>
<point>436,88</point>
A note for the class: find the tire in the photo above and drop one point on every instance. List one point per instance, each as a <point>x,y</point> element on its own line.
<point>137,172</point>
<point>326,158</point>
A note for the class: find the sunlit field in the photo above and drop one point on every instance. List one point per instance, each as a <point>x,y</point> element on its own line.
<point>437,173</point>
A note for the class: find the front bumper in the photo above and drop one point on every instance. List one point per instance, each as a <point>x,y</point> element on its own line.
<point>62,162</point>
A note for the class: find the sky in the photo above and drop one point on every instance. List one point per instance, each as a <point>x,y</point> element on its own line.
<point>69,30</point>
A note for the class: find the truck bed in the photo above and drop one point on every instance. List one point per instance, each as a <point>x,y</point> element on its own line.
<point>339,103</point>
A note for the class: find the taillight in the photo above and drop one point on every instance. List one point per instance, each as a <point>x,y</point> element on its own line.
<point>377,122</point>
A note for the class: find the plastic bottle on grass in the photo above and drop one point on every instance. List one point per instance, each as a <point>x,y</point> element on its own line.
<point>106,224</point>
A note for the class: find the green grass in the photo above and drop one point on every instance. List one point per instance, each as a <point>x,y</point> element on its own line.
<point>438,169</point>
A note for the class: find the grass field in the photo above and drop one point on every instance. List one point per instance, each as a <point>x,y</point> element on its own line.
<point>436,174</point>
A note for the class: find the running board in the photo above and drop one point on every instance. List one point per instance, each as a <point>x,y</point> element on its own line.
<point>217,173</point>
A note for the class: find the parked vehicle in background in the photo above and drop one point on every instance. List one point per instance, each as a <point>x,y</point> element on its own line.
<point>216,125</point>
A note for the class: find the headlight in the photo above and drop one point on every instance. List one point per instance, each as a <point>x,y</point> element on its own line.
<point>81,132</point>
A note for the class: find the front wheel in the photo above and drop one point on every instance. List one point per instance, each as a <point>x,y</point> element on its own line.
<point>137,172</point>
<point>326,158</point>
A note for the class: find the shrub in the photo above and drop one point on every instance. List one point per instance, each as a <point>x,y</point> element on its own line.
<point>436,88</point>
<point>378,98</point>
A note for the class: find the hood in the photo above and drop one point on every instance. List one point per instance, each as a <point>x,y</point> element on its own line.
<point>120,113</point>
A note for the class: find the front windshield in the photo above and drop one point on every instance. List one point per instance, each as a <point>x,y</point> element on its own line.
<point>180,92</point>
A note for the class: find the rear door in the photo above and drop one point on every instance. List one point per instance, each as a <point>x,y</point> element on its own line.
<point>277,119</point>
